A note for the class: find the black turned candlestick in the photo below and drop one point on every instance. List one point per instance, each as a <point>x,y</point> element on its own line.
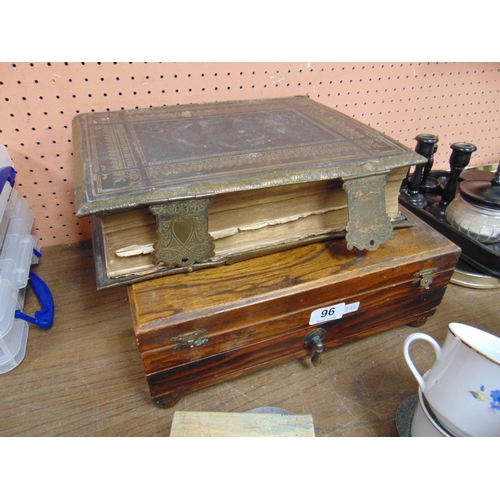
<point>459,159</point>
<point>412,190</point>
<point>428,184</point>
<point>425,147</point>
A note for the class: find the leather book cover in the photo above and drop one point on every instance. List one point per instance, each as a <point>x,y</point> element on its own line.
<point>126,159</point>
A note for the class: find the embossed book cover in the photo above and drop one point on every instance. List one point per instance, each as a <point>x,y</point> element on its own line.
<point>176,188</point>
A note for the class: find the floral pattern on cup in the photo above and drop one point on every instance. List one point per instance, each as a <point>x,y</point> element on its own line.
<point>493,398</point>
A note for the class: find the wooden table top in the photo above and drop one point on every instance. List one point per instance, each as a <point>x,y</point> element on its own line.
<point>84,375</point>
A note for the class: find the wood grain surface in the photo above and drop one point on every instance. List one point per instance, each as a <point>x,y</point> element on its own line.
<point>84,376</point>
<point>224,424</point>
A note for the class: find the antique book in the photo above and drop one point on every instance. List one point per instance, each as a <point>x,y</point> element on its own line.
<point>178,188</point>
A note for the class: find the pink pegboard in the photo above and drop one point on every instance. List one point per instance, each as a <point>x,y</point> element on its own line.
<point>456,101</point>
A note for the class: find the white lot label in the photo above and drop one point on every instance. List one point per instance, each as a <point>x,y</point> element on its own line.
<point>329,313</point>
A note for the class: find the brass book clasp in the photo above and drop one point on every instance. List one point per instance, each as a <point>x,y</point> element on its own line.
<point>183,236</point>
<point>369,225</point>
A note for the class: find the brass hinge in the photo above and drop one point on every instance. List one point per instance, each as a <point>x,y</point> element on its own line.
<point>426,277</point>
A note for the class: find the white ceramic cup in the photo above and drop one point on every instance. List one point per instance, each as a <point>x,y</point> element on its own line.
<point>462,388</point>
<point>423,424</point>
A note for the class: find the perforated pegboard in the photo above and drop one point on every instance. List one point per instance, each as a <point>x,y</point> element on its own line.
<point>456,101</point>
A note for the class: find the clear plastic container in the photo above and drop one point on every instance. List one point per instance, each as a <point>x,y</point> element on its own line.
<point>5,192</point>
<point>3,231</point>
<point>13,346</point>
<point>13,332</point>
<point>5,159</point>
<point>7,176</point>
<point>8,305</point>
<point>16,254</point>
<point>18,251</point>
<point>18,208</point>
<point>10,208</point>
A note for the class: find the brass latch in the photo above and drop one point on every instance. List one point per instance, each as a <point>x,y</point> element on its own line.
<point>190,340</point>
<point>426,278</point>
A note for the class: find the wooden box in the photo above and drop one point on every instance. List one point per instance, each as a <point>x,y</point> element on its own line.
<point>178,188</point>
<point>194,330</point>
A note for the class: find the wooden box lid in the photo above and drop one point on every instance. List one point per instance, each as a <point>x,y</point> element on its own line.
<point>126,159</point>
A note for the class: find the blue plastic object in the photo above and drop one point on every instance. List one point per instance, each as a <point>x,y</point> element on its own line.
<point>45,316</point>
<point>7,174</point>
